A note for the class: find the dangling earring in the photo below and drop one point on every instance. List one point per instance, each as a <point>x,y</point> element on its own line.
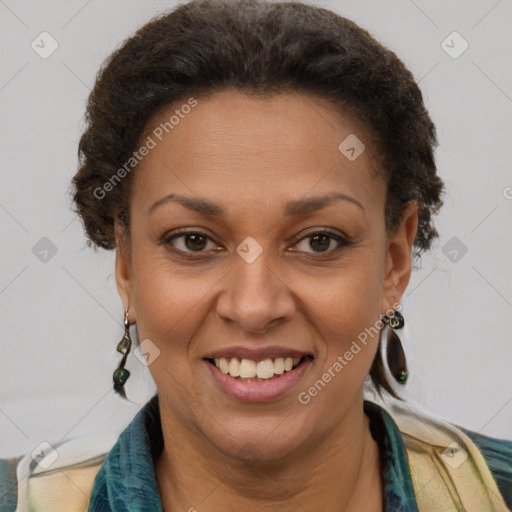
<point>121,374</point>
<point>394,351</point>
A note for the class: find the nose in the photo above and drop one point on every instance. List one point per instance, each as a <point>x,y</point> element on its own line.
<point>255,296</point>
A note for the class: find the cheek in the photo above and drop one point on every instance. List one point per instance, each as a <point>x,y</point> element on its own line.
<point>348,318</point>
<point>167,304</point>
<point>169,311</point>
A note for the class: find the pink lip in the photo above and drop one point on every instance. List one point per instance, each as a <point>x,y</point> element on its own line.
<point>256,354</point>
<point>259,391</point>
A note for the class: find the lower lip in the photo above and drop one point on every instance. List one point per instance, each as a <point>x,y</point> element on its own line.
<point>259,391</point>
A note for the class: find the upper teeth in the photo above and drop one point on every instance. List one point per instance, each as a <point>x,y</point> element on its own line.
<point>247,369</point>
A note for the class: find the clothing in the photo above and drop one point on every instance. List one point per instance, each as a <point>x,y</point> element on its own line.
<point>418,477</point>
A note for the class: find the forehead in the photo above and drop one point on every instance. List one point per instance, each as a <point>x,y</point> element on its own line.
<point>254,149</point>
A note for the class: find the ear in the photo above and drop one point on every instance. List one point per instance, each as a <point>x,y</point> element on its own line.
<point>399,258</point>
<point>123,269</point>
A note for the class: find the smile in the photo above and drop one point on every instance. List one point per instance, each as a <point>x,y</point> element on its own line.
<point>258,380</point>
<point>247,369</point>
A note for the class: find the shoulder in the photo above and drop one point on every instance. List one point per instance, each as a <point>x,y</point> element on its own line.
<point>65,468</point>
<point>8,484</point>
<point>477,466</point>
<point>498,457</point>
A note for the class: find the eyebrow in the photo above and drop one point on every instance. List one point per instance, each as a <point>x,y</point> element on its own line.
<point>293,208</point>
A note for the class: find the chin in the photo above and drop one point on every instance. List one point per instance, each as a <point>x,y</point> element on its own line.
<point>260,440</point>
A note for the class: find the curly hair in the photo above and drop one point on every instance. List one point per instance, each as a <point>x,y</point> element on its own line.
<point>261,48</point>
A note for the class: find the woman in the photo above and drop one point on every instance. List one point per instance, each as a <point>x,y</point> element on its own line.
<point>265,173</point>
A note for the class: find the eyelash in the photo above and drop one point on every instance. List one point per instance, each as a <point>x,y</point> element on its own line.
<point>342,241</point>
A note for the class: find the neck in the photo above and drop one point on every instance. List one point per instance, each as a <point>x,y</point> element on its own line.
<point>340,473</point>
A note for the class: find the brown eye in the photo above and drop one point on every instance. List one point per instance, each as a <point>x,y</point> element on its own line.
<point>321,241</point>
<point>189,241</point>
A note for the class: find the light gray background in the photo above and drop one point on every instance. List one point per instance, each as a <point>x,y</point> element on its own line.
<point>61,319</point>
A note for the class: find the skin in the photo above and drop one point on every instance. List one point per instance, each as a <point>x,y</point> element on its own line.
<point>251,156</point>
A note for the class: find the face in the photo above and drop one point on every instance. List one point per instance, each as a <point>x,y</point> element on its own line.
<point>255,243</point>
